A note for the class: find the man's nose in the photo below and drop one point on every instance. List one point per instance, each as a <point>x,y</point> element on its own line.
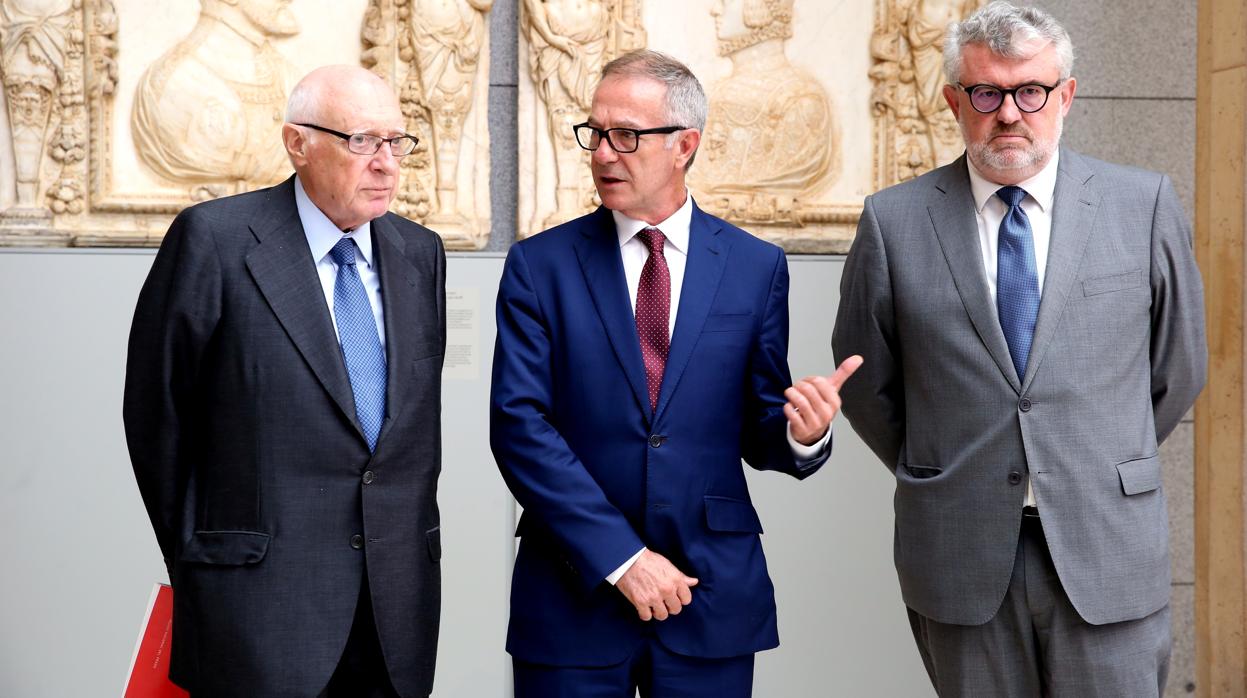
<point>384,160</point>
<point>605,152</point>
<point>1008,112</point>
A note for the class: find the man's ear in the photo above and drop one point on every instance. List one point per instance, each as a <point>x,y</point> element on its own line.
<point>686,146</point>
<point>950,96</point>
<point>1067,94</point>
<point>296,144</point>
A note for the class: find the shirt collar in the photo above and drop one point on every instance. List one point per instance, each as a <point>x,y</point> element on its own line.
<point>674,228</point>
<point>1040,187</point>
<point>322,234</point>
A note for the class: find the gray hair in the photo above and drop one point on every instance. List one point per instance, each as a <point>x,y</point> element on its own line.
<point>1006,30</point>
<point>686,100</point>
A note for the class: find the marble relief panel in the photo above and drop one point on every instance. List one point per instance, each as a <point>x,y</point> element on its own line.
<point>119,113</point>
<point>813,105</point>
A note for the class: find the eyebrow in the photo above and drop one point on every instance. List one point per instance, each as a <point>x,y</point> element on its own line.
<point>625,123</point>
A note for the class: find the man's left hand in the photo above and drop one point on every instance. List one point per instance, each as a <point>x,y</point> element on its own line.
<point>814,401</point>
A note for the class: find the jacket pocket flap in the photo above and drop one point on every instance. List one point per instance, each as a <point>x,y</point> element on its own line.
<point>727,514</point>
<point>1140,475</point>
<point>734,322</point>
<point>435,543</point>
<point>1112,282</point>
<point>226,547</point>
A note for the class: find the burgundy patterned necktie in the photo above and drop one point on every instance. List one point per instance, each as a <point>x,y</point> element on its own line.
<point>653,310</point>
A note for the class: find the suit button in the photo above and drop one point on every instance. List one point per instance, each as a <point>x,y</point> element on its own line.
<point>357,542</point>
<point>369,477</point>
<point>657,440</point>
<point>1025,404</point>
<point>1015,478</point>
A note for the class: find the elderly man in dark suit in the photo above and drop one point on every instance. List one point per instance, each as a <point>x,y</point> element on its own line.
<point>282,409</point>
<point>1032,322</point>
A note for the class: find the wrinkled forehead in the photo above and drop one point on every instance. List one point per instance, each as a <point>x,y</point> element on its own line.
<point>361,105</point>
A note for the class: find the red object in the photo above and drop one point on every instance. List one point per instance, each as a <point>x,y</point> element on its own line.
<point>149,667</point>
<point>653,312</point>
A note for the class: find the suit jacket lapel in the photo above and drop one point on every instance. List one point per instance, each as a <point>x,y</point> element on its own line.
<point>952,214</point>
<point>399,281</point>
<point>1074,207</point>
<point>706,260</point>
<point>283,268</point>
<point>598,252</point>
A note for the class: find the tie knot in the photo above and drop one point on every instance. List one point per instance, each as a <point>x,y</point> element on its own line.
<point>1012,196</point>
<point>343,252</point>
<point>653,239</point>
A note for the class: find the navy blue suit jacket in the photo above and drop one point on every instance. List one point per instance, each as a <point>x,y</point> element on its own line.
<point>599,475</point>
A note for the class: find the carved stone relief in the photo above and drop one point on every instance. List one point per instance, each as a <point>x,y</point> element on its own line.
<point>564,44</point>
<point>98,152</point>
<point>435,53</point>
<point>41,50</point>
<point>916,132</point>
<point>770,145</point>
<point>208,113</point>
<point>813,106</point>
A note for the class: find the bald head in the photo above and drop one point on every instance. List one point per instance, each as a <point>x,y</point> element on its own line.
<point>324,90</point>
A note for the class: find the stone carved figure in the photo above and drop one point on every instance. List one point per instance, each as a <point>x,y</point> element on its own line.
<point>208,113</point>
<point>770,137</point>
<point>446,38</point>
<point>36,37</point>
<point>569,41</point>
<point>909,74</point>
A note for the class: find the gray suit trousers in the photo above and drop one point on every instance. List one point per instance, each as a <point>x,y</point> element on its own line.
<point>1038,645</point>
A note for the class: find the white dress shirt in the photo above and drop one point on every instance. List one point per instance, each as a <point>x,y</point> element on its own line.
<point>634,254</point>
<point>322,235</point>
<point>990,210</point>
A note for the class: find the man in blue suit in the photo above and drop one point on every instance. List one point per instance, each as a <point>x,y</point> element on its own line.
<point>641,353</point>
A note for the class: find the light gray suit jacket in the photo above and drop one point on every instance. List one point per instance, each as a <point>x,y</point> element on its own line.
<point>1117,359</point>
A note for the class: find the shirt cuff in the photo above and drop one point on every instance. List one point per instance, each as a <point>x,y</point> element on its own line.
<point>803,454</point>
<point>613,577</point>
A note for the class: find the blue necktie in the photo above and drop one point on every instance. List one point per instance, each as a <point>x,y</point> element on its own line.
<point>361,346</point>
<point>1017,282</point>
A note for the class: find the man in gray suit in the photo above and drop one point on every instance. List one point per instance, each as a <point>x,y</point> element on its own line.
<point>1032,324</point>
<point>282,409</point>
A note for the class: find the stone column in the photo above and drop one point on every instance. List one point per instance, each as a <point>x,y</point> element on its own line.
<point>1220,447</point>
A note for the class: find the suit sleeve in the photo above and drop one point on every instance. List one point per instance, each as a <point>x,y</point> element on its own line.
<point>544,474</point>
<point>764,443</point>
<point>874,398</point>
<point>176,314</point>
<point>1179,354</point>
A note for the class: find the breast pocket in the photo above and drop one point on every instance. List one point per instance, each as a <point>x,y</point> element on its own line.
<point>1110,283</point>
<point>728,322</point>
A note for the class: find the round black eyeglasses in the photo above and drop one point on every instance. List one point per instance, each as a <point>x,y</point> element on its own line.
<point>1029,98</point>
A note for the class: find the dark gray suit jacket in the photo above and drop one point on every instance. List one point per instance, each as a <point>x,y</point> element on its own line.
<point>242,431</point>
<point>1118,357</point>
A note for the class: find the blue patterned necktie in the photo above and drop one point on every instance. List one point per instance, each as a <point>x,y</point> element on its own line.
<point>361,346</point>
<point>1017,281</point>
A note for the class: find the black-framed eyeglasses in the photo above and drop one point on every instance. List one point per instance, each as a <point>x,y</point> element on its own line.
<point>621,140</point>
<point>368,144</point>
<point>1029,98</point>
